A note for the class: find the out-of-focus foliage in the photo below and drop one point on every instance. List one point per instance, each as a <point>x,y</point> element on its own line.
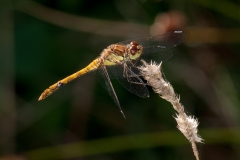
<point>43,41</point>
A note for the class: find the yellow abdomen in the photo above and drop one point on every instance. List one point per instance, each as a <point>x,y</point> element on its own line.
<point>92,66</point>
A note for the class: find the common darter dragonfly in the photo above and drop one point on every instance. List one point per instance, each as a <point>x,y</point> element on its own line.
<point>120,61</point>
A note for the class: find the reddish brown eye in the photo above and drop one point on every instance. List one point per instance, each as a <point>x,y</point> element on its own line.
<point>133,50</point>
<point>134,43</point>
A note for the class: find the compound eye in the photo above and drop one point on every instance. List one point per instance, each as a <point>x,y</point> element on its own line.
<point>133,50</point>
<point>134,43</point>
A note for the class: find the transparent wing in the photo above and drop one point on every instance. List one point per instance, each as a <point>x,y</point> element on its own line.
<point>156,53</point>
<point>159,48</point>
<point>115,71</point>
<point>133,83</point>
<point>166,40</point>
<point>127,76</point>
<point>104,79</point>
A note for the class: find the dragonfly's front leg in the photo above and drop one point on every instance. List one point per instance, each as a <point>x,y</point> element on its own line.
<point>131,76</point>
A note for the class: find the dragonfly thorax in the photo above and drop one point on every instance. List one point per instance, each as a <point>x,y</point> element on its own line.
<point>117,53</point>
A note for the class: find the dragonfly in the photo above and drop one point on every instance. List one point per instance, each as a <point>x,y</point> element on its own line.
<point>121,60</point>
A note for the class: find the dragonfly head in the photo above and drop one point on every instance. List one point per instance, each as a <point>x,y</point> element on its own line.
<point>134,50</point>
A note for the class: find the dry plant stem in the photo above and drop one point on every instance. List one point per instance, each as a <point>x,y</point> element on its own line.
<point>186,124</point>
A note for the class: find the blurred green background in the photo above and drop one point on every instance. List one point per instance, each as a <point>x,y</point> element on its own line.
<point>43,41</point>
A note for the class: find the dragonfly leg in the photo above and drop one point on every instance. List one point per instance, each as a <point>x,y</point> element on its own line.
<point>128,74</point>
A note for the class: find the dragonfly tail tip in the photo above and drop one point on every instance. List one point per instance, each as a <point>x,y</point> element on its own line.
<point>40,98</point>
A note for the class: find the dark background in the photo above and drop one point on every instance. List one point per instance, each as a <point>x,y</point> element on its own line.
<point>43,41</point>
